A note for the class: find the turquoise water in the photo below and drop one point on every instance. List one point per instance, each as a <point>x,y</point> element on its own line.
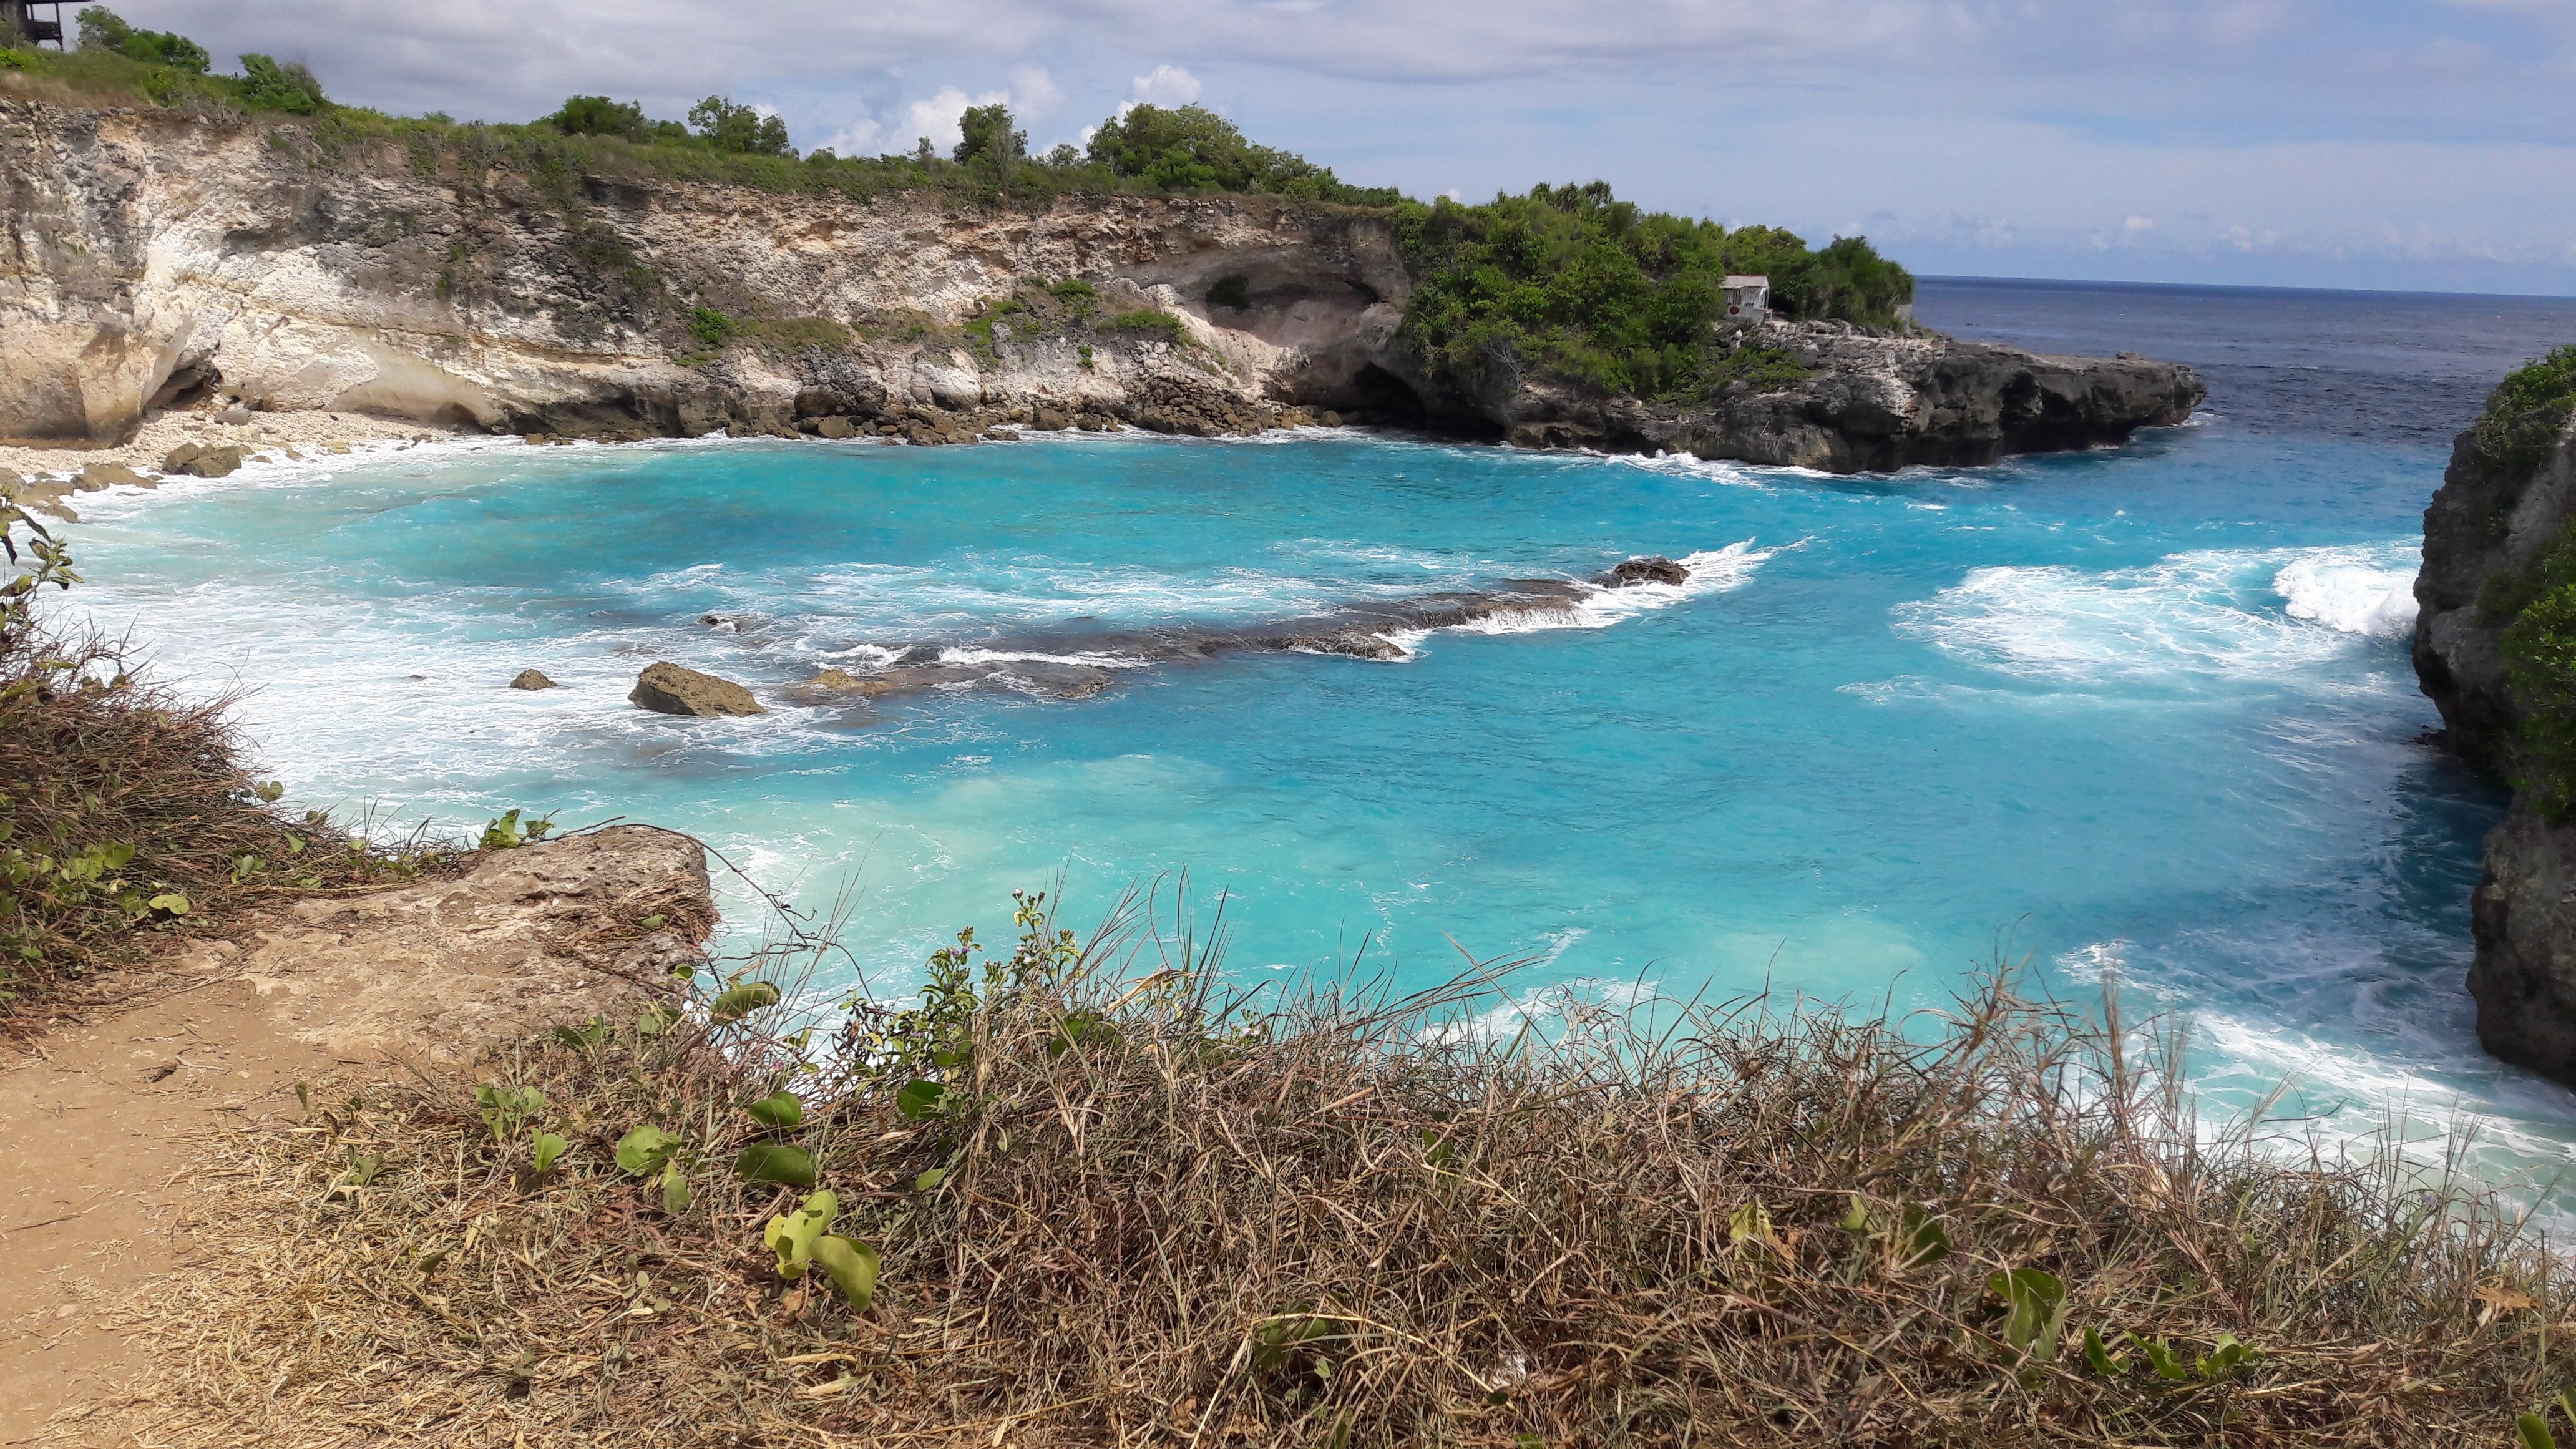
<point>2145,711</point>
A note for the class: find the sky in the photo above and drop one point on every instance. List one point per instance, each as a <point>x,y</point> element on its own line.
<point>2407,144</point>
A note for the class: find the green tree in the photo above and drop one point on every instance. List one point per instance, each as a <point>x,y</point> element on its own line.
<point>985,136</point>
<point>1191,148</point>
<point>730,127</point>
<point>600,116</point>
<point>268,86</point>
<point>103,29</point>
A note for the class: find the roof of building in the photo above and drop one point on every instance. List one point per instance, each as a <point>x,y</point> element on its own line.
<point>1735,281</point>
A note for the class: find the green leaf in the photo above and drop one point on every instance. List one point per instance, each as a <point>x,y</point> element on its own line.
<point>430,1260</point>
<point>792,1235</point>
<point>2098,1354</point>
<point>852,1267</point>
<point>544,1149</point>
<point>2567,1403</point>
<point>1925,1240</point>
<point>2224,1357</point>
<point>928,1180</point>
<point>2534,1432</point>
<point>589,1034</point>
<point>2162,1358</point>
<point>1857,1220</point>
<point>778,1109</point>
<point>116,856</point>
<point>171,901</point>
<point>742,1001</point>
<point>777,1162</point>
<point>2037,1301</point>
<point>645,1150</point>
<point>675,1190</point>
<point>269,791</point>
<point>1751,1224</point>
<point>652,923</point>
<point>657,1020</point>
<point>920,1099</point>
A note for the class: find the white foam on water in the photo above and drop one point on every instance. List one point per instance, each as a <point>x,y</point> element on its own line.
<point>2190,617</point>
<point>2352,590</point>
<point>1712,571</point>
<point>971,655</point>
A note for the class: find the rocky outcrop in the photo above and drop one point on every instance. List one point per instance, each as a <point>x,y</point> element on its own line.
<point>666,688</point>
<point>2483,531</point>
<point>533,679</point>
<point>1870,402</point>
<point>160,259</point>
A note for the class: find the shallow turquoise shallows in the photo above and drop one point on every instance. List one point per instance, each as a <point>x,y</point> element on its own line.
<point>2143,711</point>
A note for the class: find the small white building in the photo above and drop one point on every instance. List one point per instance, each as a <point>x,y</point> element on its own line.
<point>1748,299</point>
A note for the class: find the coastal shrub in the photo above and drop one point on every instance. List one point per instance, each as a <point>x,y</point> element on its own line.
<point>711,328</point>
<point>103,29</point>
<point>1191,148</point>
<point>1571,280</point>
<point>1106,1197</point>
<point>726,126</point>
<point>2524,416</point>
<point>268,86</point>
<point>1153,322</point>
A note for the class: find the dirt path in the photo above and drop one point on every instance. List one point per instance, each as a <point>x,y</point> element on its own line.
<point>103,1113</point>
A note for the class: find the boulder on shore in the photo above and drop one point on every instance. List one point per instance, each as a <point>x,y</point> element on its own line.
<point>98,476</point>
<point>199,461</point>
<point>533,679</point>
<point>667,688</point>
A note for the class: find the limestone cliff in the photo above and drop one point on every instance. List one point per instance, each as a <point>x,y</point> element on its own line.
<point>153,258</point>
<point>2486,527</point>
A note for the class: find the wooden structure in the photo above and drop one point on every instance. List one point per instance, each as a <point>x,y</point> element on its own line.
<point>18,22</point>
<point>1748,299</point>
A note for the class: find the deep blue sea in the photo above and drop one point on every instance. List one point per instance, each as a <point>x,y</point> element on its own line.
<point>2144,711</point>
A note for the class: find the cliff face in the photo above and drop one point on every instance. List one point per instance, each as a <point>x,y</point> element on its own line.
<point>2488,525</point>
<point>152,259</point>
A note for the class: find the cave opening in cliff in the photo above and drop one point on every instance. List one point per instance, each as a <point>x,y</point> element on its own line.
<point>1381,396</point>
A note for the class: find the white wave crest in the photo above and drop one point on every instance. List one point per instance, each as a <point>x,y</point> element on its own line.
<point>2221,613</point>
<point>2350,590</point>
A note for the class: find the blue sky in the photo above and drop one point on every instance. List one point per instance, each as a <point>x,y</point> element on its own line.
<point>2329,143</point>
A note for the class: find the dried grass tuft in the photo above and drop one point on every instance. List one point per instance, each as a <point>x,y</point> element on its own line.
<point>93,757</point>
<point>1171,1218</point>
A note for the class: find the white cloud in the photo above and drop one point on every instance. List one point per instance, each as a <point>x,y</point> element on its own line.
<point>2137,224</point>
<point>1167,85</point>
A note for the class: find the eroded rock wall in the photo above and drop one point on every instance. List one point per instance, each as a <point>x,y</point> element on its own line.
<point>151,257</point>
<point>144,247</point>
<point>2486,526</point>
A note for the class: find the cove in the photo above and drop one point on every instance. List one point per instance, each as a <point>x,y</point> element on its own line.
<point>2144,711</point>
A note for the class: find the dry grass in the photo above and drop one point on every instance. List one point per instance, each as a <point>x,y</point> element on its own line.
<point>1167,1219</point>
<point>93,759</point>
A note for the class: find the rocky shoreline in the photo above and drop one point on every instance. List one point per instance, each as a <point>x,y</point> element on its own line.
<point>171,265</point>
<point>2486,528</point>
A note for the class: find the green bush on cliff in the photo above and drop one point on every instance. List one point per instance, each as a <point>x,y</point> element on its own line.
<point>2527,411</point>
<point>1571,280</point>
<point>103,29</point>
<point>1191,148</point>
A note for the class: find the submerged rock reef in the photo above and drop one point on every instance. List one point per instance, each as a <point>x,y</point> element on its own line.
<point>2493,536</point>
<point>160,260</point>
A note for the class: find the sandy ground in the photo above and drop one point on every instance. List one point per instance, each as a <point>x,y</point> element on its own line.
<point>107,1113</point>
<point>305,431</point>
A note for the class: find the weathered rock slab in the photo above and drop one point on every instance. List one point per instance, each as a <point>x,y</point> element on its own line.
<point>668,688</point>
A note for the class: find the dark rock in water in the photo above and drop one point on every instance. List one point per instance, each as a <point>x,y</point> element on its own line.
<point>726,622</point>
<point>1656,569</point>
<point>533,679</point>
<point>666,688</point>
<point>2485,532</point>
<point>835,427</point>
